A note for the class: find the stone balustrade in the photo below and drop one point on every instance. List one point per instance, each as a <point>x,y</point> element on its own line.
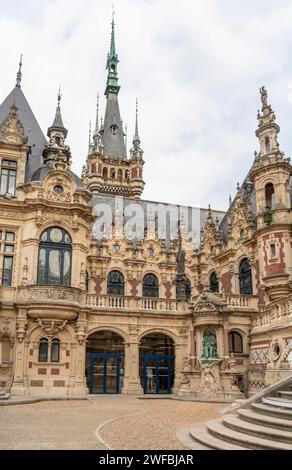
<point>104,302</point>
<point>235,301</point>
<point>276,313</point>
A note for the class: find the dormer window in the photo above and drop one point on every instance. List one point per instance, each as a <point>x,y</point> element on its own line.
<point>8,178</point>
<point>114,129</point>
<point>58,140</point>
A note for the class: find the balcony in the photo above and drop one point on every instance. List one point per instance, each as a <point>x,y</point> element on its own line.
<point>108,302</point>
<point>239,302</point>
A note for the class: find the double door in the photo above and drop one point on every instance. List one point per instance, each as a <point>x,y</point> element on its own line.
<point>105,373</point>
<point>158,374</point>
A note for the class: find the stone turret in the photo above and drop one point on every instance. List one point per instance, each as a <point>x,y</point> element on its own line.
<point>108,170</point>
<point>270,175</point>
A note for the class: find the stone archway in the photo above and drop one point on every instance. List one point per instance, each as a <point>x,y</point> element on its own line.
<point>157,358</point>
<point>105,358</point>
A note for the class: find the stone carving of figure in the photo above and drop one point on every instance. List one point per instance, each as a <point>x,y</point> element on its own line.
<point>210,346</point>
<point>264,96</point>
<point>208,377</point>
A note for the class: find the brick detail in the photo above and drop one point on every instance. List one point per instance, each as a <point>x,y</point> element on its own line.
<point>274,268</point>
<point>59,383</point>
<point>168,289</point>
<point>67,365</point>
<point>36,383</point>
<point>55,372</point>
<point>42,371</point>
<point>226,282</point>
<point>134,287</point>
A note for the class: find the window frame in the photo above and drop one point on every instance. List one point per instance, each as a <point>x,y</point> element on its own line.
<point>243,276</point>
<point>211,282</point>
<point>61,248</point>
<point>147,288</point>
<point>112,285</point>
<point>232,335</point>
<point>6,166</point>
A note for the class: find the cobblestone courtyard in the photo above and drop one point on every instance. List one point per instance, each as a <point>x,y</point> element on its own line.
<point>74,424</point>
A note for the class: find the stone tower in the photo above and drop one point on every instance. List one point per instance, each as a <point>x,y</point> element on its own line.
<point>108,170</point>
<point>271,173</point>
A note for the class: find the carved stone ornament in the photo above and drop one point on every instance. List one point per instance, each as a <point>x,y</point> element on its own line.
<point>11,129</point>
<point>52,327</point>
<point>81,329</point>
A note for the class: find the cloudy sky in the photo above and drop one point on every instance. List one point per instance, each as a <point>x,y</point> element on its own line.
<point>196,66</point>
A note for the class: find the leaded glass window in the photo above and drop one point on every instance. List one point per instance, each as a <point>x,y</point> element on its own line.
<point>115,283</point>
<point>235,342</point>
<point>245,278</point>
<point>150,286</point>
<point>55,258</point>
<point>214,283</point>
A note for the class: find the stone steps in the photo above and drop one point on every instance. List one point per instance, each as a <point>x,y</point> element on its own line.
<point>202,435</point>
<point>285,394</point>
<point>259,431</point>
<point>254,417</point>
<point>274,411</point>
<point>277,401</point>
<point>237,437</point>
<point>265,425</point>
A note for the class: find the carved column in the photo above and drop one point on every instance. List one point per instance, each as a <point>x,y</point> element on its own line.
<point>181,351</point>
<point>80,387</point>
<point>18,386</point>
<point>132,382</point>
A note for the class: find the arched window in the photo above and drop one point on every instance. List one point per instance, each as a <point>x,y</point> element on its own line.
<point>86,281</point>
<point>93,168</point>
<point>150,286</point>
<point>115,283</point>
<point>55,350</point>
<point>43,350</point>
<point>105,174</point>
<point>270,196</point>
<point>113,174</point>
<point>120,175</point>
<point>235,342</point>
<point>245,277</point>
<point>55,255</point>
<point>127,175</point>
<point>214,283</point>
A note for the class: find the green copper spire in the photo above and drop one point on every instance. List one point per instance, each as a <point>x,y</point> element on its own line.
<point>112,85</point>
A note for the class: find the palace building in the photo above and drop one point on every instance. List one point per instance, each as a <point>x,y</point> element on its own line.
<point>92,302</point>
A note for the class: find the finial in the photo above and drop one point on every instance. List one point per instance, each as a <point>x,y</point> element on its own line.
<point>238,187</point>
<point>89,143</point>
<point>97,117</point>
<point>19,74</point>
<point>230,200</point>
<point>137,117</point>
<point>113,13</point>
<point>59,97</point>
<point>126,136</point>
<point>264,96</point>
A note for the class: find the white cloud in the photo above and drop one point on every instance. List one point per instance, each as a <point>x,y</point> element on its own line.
<point>196,66</point>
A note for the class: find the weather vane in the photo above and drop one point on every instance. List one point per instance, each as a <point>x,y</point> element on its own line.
<point>113,12</point>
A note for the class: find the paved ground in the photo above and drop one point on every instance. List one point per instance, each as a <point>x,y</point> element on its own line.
<point>73,424</point>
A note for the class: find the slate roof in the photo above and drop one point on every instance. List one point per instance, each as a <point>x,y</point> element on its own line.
<point>32,130</point>
<point>114,144</point>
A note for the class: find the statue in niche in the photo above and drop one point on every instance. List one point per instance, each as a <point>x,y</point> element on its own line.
<point>209,346</point>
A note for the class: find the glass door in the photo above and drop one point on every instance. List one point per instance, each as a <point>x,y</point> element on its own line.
<point>104,373</point>
<point>158,374</point>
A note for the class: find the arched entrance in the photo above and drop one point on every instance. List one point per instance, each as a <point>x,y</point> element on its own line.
<point>157,354</point>
<point>105,357</point>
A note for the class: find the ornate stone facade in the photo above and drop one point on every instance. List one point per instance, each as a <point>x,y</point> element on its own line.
<point>64,290</point>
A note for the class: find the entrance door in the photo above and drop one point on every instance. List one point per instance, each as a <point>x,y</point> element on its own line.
<point>105,373</point>
<point>158,374</point>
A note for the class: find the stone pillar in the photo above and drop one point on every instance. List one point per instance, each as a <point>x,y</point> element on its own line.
<point>181,351</point>
<point>18,386</point>
<point>132,382</point>
<point>79,348</point>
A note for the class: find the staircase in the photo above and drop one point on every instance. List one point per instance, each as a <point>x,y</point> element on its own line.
<point>264,422</point>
